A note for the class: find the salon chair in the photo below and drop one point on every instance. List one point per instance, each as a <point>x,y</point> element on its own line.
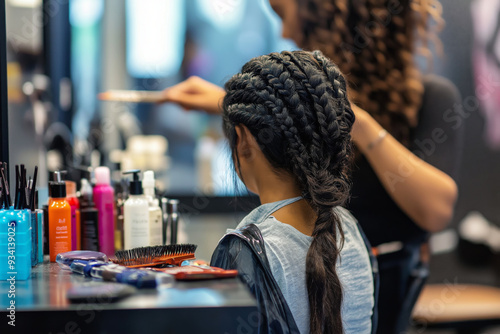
<point>464,308</point>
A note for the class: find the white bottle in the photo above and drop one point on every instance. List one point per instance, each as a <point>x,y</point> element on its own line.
<point>155,215</point>
<point>136,215</point>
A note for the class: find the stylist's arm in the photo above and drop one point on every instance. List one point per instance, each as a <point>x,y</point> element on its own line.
<point>196,94</point>
<point>426,194</point>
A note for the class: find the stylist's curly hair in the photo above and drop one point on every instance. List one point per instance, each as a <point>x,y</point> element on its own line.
<point>372,42</point>
<point>295,105</point>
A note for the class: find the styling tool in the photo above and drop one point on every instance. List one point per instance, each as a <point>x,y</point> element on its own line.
<point>22,190</point>
<point>1,189</point>
<point>98,271</point>
<point>140,278</point>
<point>5,186</point>
<point>135,96</point>
<point>33,190</point>
<point>84,267</point>
<point>17,194</point>
<point>153,256</point>
<point>137,277</point>
<point>99,292</point>
<point>66,259</point>
<point>192,273</point>
<point>27,192</point>
<point>20,195</point>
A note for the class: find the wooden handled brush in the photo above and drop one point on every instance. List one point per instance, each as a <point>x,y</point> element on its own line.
<point>153,256</point>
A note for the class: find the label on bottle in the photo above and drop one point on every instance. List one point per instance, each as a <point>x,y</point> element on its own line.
<point>155,227</point>
<point>89,228</point>
<point>138,229</point>
<point>62,236</point>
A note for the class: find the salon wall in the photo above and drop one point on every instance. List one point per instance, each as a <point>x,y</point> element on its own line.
<point>479,180</point>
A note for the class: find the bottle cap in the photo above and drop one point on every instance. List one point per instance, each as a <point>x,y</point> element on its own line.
<point>86,189</point>
<point>57,188</point>
<point>173,206</point>
<point>135,186</point>
<point>86,194</point>
<point>102,175</point>
<point>70,188</point>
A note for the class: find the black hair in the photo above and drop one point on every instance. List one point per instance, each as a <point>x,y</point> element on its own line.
<point>295,105</point>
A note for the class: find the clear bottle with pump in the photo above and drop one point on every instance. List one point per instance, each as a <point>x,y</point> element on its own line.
<point>155,215</point>
<point>136,215</point>
<point>104,200</point>
<point>59,219</point>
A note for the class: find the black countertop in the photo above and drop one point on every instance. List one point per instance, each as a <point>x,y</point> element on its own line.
<point>212,306</point>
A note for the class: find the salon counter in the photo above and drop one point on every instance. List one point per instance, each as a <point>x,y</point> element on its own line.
<point>212,306</point>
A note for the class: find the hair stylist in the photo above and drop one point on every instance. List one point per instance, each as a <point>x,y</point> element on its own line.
<point>397,196</point>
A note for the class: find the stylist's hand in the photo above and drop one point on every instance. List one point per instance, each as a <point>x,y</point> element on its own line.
<point>358,130</point>
<point>196,93</point>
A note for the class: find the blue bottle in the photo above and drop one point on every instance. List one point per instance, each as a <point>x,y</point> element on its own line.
<point>15,244</point>
<point>34,238</point>
<point>39,214</point>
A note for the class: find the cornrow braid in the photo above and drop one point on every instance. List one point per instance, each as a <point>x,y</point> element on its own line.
<point>300,99</point>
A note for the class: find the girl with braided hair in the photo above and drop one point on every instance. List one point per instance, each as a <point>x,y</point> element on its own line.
<point>407,132</point>
<point>288,120</point>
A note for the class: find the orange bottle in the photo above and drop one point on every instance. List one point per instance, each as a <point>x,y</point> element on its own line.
<point>59,219</point>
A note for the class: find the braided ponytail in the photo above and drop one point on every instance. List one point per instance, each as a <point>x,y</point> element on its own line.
<point>299,100</point>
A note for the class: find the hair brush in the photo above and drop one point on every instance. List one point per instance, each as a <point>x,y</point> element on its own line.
<point>153,256</point>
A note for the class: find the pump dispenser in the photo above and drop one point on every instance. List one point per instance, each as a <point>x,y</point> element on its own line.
<point>59,219</point>
<point>155,216</point>
<point>136,215</point>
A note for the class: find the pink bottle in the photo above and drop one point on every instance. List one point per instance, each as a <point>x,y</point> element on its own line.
<point>104,199</point>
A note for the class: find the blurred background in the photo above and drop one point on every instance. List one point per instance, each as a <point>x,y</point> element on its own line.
<point>61,54</point>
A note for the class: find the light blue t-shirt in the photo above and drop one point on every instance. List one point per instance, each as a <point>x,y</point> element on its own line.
<point>286,250</point>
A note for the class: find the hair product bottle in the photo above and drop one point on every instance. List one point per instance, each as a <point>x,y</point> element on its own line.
<point>75,207</point>
<point>155,216</point>
<point>173,219</point>
<point>136,215</point>
<point>40,222</point>
<point>104,199</point>
<point>121,196</point>
<point>15,240</point>
<point>89,219</point>
<point>165,231</point>
<point>59,219</point>
<point>46,239</point>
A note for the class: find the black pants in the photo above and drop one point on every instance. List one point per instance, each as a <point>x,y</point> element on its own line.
<point>402,276</point>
